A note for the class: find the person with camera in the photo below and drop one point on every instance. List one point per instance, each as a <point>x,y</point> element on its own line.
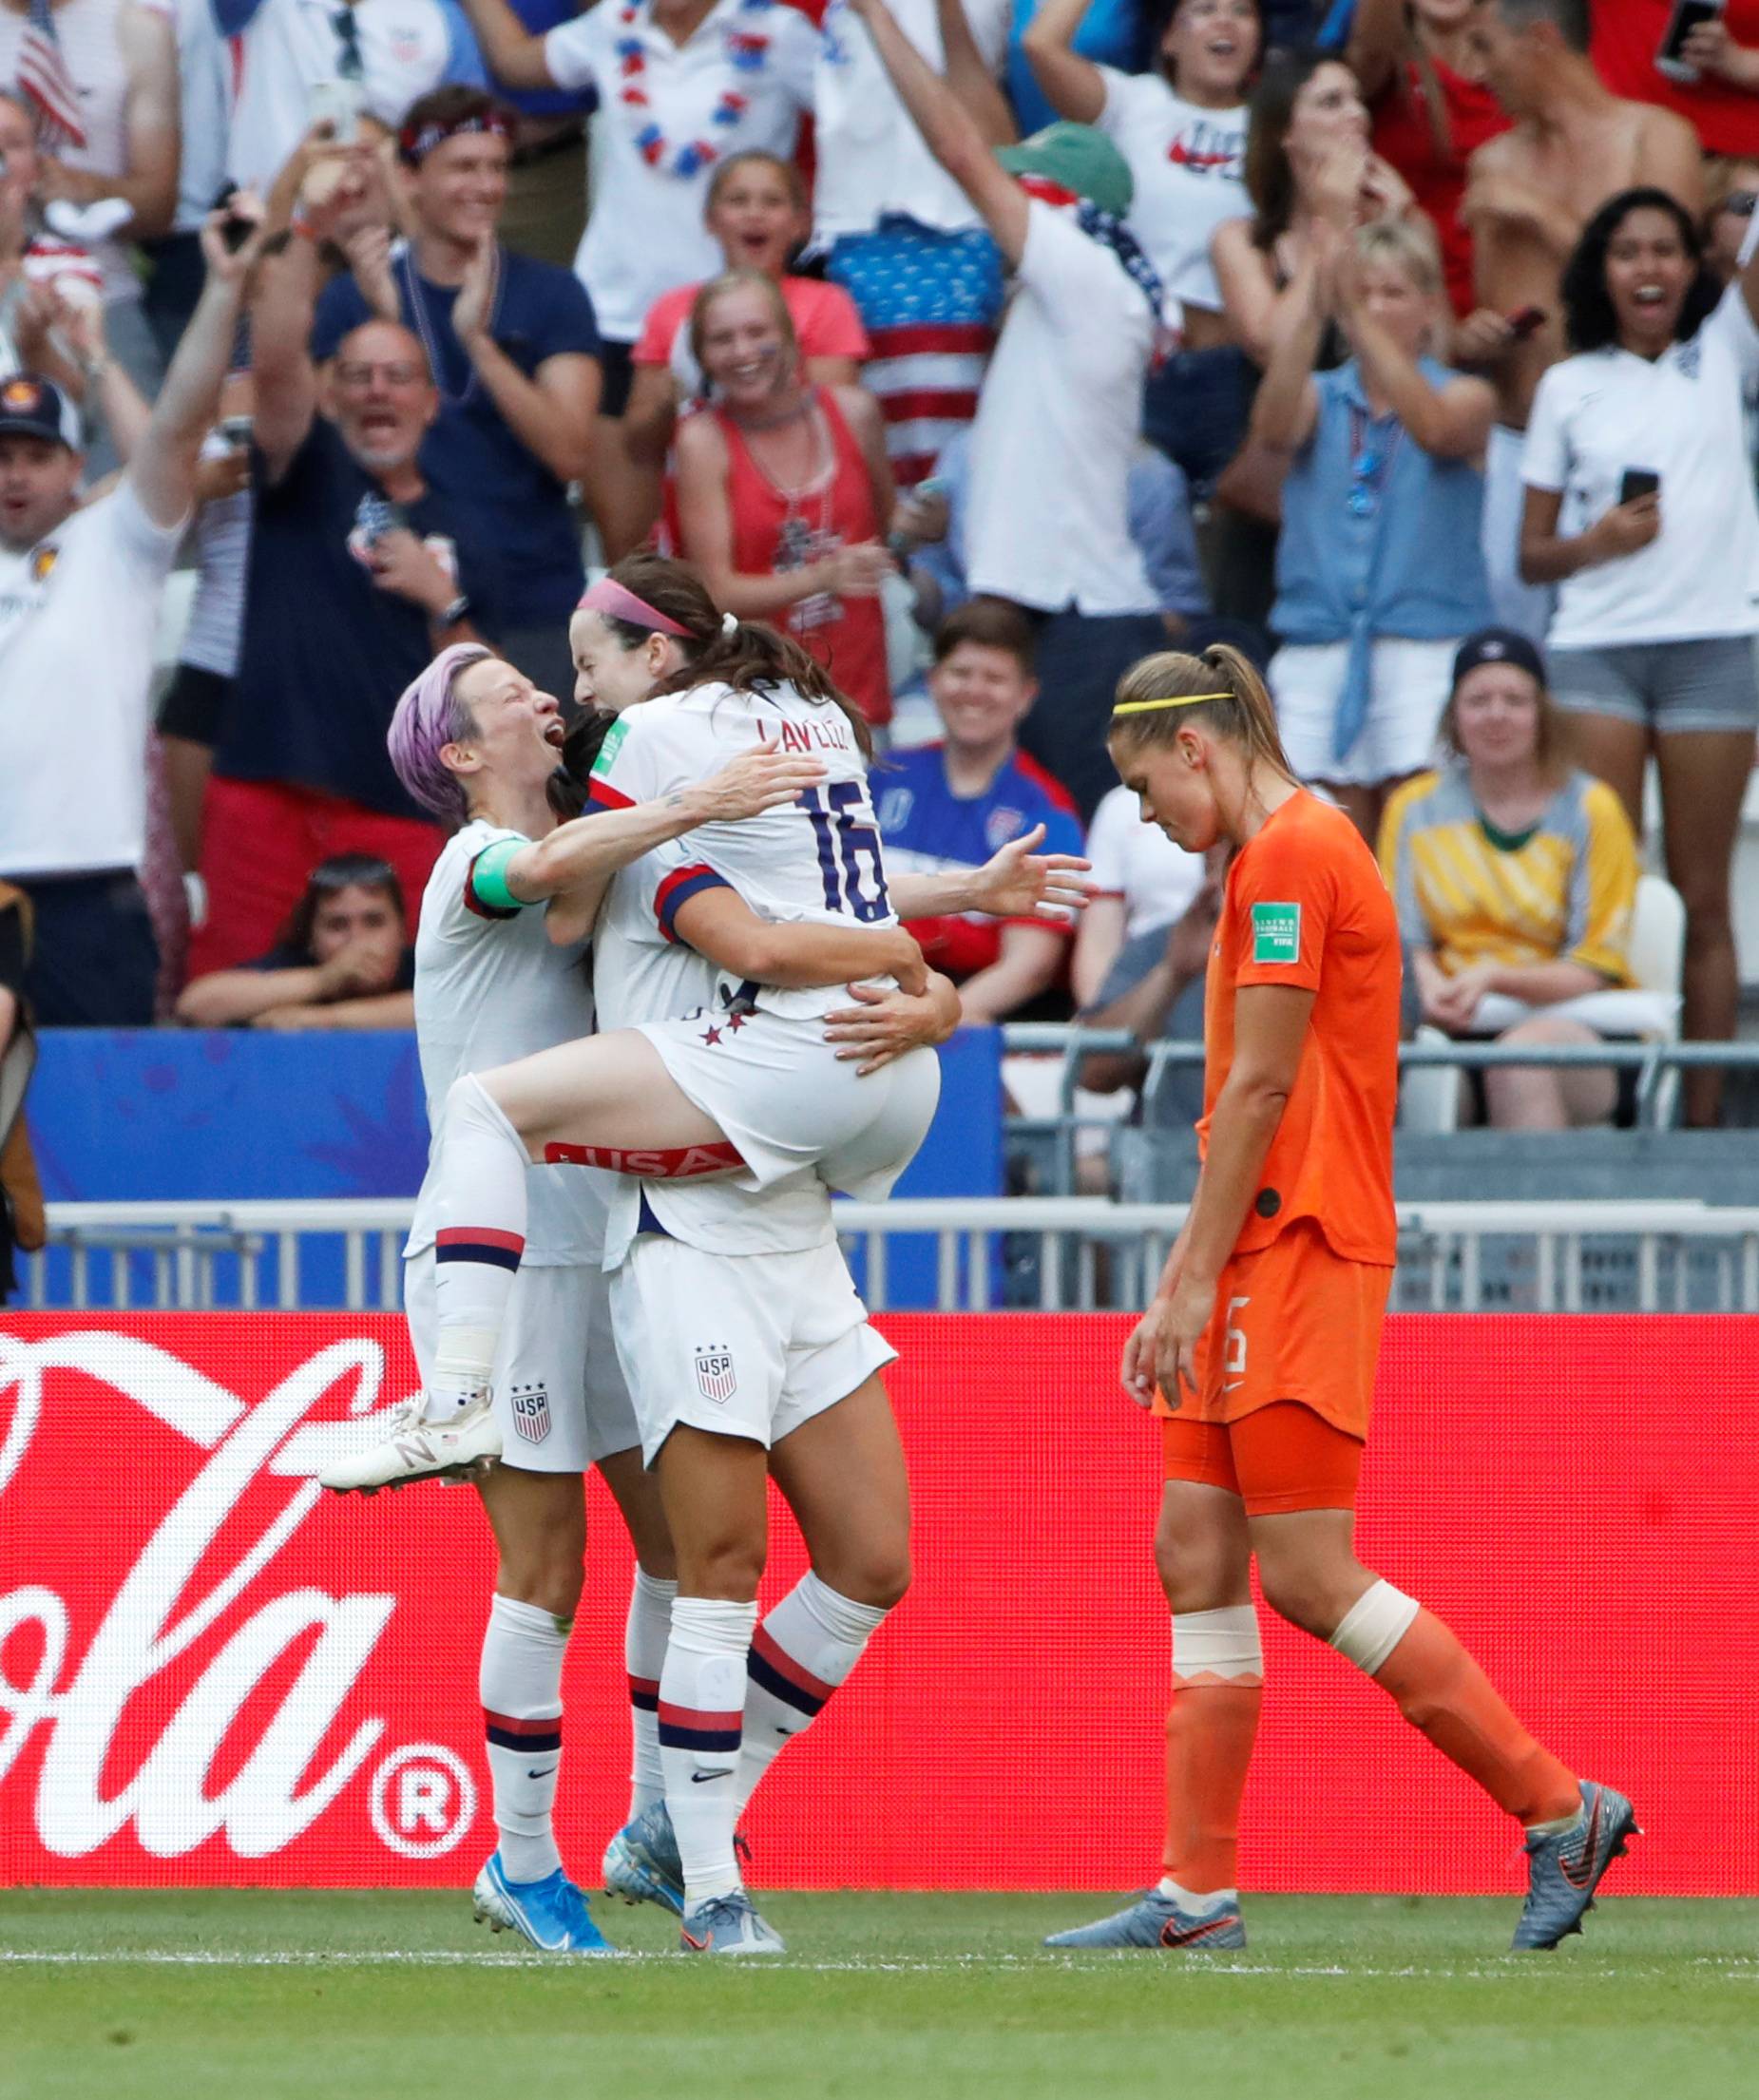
<point>1640,509</point>
<point>359,572</point>
<point>80,591</point>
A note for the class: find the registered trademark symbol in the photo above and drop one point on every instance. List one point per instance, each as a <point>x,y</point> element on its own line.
<point>422,1800</point>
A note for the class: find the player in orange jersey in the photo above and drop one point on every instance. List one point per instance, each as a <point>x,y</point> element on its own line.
<point>1259,1350</point>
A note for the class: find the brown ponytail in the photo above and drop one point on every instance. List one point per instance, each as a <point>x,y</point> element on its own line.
<point>1242,712</point>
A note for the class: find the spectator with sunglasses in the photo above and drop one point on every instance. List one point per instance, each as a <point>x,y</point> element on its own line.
<point>359,572</point>
<point>1733,191</point>
<point>357,65</point>
<point>342,960</point>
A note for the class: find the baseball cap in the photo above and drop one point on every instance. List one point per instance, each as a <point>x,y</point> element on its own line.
<point>1499,646</point>
<point>1075,156</point>
<point>30,407</point>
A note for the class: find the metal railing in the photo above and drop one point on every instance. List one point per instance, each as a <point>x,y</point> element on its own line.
<point>1084,1253</point>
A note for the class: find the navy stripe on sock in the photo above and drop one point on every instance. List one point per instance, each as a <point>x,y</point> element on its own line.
<point>772,1680</point>
<point>477,1251</point>
<point>504,1739</point>
<point>674,1737</point>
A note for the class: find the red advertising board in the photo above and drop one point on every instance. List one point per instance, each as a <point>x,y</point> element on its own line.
<point>209,1674</point>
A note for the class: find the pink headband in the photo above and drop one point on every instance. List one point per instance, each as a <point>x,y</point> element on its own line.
<point>610,598</point>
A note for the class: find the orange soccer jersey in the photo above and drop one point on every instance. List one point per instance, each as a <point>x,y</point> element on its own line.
<point>1299,1312</point>
<point>1305,905</point>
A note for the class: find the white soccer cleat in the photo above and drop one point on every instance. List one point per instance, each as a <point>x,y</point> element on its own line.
<point>461,1448</point>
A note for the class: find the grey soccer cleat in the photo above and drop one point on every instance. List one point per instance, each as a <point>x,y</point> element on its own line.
<point>642,1864</point>
<point>1156,1920</point>
<point>1564,1871</point>
<point>461,1449</point>
<point>728,1925</point>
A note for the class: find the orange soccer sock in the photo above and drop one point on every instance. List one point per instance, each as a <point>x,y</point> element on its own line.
<point>1443,1691</point>
<point>1217,1689</point>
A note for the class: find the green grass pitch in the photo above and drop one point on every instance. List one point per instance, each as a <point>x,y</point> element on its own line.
<point>246,1995</point>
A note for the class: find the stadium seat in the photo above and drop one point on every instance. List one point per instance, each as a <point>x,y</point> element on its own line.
<point>1429,1096</point>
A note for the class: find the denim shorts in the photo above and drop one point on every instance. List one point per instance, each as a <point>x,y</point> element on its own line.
<point>1666,686</point>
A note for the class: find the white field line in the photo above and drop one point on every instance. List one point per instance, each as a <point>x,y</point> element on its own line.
<point>1735,1968</point>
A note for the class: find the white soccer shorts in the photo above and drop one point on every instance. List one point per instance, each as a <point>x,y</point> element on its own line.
<point>559,1392</point>
<point>739,1345</point>
<point>782,1097</point>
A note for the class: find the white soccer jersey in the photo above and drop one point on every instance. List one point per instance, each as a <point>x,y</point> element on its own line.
<point>491,986</point>
<point>643,971</point>
<point>815,859</point>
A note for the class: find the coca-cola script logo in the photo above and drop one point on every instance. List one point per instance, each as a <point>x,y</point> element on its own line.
<point>178,1663</point>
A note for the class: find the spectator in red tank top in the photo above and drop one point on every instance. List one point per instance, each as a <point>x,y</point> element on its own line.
<point>1722,103</point>
<point>784,493</point>
<point>1432,111</point>
<point>758,211</point>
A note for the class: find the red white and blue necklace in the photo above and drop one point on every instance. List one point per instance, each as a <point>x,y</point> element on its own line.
<point>748,51</point>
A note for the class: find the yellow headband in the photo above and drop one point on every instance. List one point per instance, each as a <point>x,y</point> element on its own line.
<point>1183,700</point>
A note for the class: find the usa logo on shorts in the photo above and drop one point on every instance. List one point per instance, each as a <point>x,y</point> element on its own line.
<point>530,1405</point>
<point>715,1377</point>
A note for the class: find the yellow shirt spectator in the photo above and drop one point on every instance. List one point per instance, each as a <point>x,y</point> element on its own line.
<point>1563,890</point>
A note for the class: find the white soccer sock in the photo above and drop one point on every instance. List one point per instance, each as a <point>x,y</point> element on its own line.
<point>799,1655</point>
<point>701,1702</point>
<point>478,1246</point>
<point>520,1683</point>
<point>645,1633</point>
<point>1195,1902</point>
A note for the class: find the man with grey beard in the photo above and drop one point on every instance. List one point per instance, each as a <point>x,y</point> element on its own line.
<point>359,574</point>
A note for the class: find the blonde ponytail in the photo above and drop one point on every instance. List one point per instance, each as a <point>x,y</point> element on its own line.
<point>1220,690</point>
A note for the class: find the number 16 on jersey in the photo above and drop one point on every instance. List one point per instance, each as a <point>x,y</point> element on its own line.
<point>844,826</point>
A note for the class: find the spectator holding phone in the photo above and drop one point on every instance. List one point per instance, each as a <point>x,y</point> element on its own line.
<point>360,573</point>
<point>515,352</point>
<point>1640,509</point>
<point>343,960</point>
<point>1699,58</point>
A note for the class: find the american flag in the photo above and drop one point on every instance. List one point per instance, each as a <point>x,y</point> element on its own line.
<point>46,83</point>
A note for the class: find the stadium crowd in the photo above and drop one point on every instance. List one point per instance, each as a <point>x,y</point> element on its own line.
<point>984,349</point>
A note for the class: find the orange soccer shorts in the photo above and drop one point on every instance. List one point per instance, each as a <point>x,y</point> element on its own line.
<point>1295,1340</point>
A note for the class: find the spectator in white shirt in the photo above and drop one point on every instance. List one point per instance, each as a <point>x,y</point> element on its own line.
<point>80,593</point>
<point>1057,425</point>
<point>1640,509</point>
<point>296,62</point>
<point>682,85</point>
<point>174,261</point>
<point>121,56</point>
<point>1141,883</point>
<point>1182,128</point>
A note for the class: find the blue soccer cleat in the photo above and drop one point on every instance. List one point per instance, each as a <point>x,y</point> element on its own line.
<point>1564,1871</point>
<point>728,1925</point>
<point>1156,1920</point>
<point>642,1864</point>
<point>551,1913</point>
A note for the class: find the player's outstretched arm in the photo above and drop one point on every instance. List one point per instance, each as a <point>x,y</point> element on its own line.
<point>719,924</point>
<point>590,848</point>
<point>1014,883</point>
